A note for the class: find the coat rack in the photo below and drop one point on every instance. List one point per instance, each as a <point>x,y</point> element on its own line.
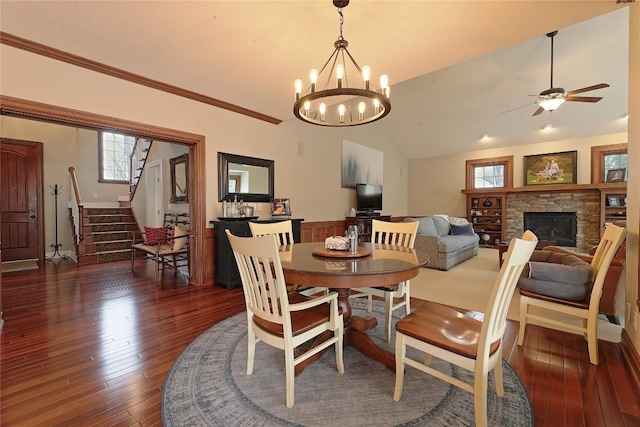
<point>56,245</point>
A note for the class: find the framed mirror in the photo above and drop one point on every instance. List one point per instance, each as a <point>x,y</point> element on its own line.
<point>179,179</point>
<point>248,178</point>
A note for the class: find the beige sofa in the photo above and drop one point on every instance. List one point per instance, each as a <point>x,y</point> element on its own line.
<point>447,240</point>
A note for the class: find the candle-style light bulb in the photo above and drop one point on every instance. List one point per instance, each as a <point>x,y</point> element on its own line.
<point>384,81</point>
<point>366,76</point>
<point>361,108</point>
<point>307,105</point>
<point>376,106</point>
<point>313,78</point>
<point>298,85</point>
<point>322,108</point>
<point>339,74</point>
<point>341,109</point>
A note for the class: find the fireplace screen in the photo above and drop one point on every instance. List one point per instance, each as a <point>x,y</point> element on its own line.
<point>558,226</point>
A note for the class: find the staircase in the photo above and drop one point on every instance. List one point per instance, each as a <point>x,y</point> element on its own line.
<point>107,235</point>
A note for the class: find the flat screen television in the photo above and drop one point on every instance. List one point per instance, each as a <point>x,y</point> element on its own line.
<point>368,198</point>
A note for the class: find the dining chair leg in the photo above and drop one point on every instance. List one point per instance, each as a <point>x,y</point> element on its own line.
<point>480,396</point>
<point>523,320</point>
<point>401,351</point>
<point>498,379</point>
<point>339,347</point>
<point>251,351</point>
<point>369,303</point>
<point>388,302</point>
<point>290,376</point>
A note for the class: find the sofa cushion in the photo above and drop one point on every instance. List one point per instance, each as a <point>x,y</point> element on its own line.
<point>457,220</point>
<point>549,271</point>
<point>453,243</point>
<point>462,230</point>
<point>567,291</point>
<point>426,227</point>
<point>442,225</point>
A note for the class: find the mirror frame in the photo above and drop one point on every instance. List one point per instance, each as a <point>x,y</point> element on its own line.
<point>223,177</point>
<point>173,162</point>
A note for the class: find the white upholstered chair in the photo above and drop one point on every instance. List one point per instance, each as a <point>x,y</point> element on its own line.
<point>587,310</point>
<point>273,318</point>
<point>399,234</point>
<point>449,334</point>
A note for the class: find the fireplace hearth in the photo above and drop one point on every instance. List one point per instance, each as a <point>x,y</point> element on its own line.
<point>558,226</point>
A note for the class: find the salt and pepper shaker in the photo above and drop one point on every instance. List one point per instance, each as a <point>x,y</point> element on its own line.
<point>352,233</point>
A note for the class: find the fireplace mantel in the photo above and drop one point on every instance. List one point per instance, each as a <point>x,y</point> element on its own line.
<point>552,188</point>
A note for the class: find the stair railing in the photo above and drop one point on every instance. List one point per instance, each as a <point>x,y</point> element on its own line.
<point>76,206</point>
<point>138,159</point>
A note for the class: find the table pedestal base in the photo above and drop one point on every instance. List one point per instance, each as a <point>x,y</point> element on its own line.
<point>355,335</point>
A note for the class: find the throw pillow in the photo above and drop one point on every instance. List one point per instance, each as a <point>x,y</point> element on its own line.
<point>155,235</point>
<point>179,241</point>
<point>456,220</point>
<point>442,225</point>
<point>462,230</point>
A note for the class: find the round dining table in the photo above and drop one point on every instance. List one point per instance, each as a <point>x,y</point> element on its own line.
<point>373,265</point>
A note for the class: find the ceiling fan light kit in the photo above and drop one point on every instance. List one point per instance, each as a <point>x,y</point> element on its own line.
<point>355,105</point>
<point>554,97</point>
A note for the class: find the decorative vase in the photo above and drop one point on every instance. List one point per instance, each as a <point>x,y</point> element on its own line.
<point>486,203</point>
<point>486,238</point>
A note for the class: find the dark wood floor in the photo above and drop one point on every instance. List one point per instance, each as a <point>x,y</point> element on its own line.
<point>92,346</point>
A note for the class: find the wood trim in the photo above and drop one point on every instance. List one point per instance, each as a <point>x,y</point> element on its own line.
<point>69,58</point>
<point>552,188</point>
<point>597,159</point>
<point>508,170</point>
<point>197,153</point>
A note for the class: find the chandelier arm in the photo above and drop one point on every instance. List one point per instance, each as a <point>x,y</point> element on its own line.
<point>353,60</point>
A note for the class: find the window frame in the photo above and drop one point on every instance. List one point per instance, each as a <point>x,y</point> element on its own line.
<point>598,153</point>
<point>505,161</point>
<point>101,178</point>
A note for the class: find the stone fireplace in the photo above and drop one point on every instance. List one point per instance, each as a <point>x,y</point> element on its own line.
<point>585,205</point>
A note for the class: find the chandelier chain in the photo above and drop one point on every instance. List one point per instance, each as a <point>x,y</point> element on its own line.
<point>341,22</point>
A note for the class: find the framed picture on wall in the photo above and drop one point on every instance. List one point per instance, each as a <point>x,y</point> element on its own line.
<point>551,168</point>
<point>614,201</point>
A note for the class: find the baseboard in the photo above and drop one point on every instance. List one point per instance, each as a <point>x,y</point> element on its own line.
<point>631,359</point>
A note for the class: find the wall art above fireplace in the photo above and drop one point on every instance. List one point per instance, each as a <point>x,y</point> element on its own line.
<point>551,168</point>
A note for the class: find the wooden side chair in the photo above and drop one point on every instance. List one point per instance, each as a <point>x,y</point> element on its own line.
<point>283,230</point>
<point>399,234</point>
<point>449,334</point>
<point>272,318</point>
<point>586,310</point>
<point>167,245</point>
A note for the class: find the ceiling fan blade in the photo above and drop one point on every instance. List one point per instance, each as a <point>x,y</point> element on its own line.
<point>538,111</point>
<point>587,89</point>
<point>583,98</point>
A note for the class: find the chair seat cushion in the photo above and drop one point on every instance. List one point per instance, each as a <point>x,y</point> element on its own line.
<point>437,324</point>
<point>301,321</point>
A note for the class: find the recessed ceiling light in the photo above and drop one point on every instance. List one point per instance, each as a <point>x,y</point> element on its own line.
<point>485,137</point>
<point>547,127</point>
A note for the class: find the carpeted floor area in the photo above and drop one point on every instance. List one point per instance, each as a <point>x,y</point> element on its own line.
<point>468,285</point>
<point>208,386</point>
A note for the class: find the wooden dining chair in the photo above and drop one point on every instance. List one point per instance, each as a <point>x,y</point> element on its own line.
<point>586,310</point>
<point>275,320</point>
<point>283,230</point>
<point>401,234</point>
<point>453,336</point>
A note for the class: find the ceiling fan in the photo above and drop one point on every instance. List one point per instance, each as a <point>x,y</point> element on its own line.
<point>554,97</point>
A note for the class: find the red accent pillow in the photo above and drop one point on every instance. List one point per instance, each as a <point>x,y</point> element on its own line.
<point>155,235</point>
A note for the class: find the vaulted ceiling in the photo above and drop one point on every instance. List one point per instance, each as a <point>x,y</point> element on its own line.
<point>455,67</point>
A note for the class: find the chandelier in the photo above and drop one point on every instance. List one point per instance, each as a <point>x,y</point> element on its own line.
<point>341,105</point>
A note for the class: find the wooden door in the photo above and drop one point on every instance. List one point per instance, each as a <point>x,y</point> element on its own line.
<point>21,211</point>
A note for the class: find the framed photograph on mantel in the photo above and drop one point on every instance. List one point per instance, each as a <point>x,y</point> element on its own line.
<point>280,208</point>
<point>615,175</point>
<point>551,168</point>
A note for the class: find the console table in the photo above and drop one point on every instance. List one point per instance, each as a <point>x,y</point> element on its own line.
<point>225,268</point>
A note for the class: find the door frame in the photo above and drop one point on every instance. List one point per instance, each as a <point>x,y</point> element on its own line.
<point>197,159</point>
<point>39,146</point>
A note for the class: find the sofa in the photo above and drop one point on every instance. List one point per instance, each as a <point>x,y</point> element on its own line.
<point>447,240</point>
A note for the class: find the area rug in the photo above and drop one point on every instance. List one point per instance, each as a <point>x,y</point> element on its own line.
<point>208,386</point>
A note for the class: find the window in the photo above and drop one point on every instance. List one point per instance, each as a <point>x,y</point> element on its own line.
<point>496,172</point>
<point>608,161</point>
<point>115,157</point>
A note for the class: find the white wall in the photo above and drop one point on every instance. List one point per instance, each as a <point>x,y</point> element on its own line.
<point>448,172</point>
<point>311,180</point>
